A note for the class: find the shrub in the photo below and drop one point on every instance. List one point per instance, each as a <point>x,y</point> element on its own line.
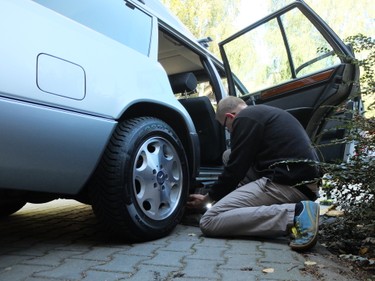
<point>352,183</point>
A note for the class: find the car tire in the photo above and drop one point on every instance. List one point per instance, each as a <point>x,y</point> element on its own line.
<point>142,182</point>
<point>10,207</point>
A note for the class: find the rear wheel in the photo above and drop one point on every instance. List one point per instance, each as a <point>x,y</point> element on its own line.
<point>142,182</point>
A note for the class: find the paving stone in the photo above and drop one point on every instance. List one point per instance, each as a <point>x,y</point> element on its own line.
<point>243,247</point>
<point>98,254</point>
<point>239,262</point>
<point>208,253</point>
<point>70,269</point>
<point>280,255</point>
<point>284,271</point>
<point>53,258</point>
<point>156,273</point>
<point>239,275</point>
<point>143,249</point>
<point>91,275</point>
<point>167,258</point>
<point>20,272</point>
<point>195,268</point>
<point>7,261</point>
<point>177,246</point>
<point>121,263</point>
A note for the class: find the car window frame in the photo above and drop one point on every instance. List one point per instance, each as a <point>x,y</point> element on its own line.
<point>345,53</point>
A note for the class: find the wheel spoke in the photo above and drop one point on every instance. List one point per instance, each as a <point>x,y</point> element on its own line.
<point>165,195</point>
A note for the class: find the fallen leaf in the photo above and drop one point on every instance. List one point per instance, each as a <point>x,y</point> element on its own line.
<point>268,270</point>
<point>334,213</point>
<point>363,250</point>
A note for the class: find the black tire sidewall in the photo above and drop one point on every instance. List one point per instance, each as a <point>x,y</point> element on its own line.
<point>145,129</point>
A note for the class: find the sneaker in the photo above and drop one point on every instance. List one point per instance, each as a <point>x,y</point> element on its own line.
<point>305,229</point>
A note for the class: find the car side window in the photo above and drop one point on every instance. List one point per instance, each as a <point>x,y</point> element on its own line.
<point>111,18</point>
<point>310,50</point>
<point>279,50</point>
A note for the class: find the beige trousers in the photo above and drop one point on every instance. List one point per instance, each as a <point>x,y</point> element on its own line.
<point>258,208</point>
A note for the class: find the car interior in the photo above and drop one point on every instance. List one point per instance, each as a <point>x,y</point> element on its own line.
<point>191,85</point>
<point>309,95</point>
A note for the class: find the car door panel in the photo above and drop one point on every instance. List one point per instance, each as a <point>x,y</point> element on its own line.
<point>308,96</point>
<point>294,61</point>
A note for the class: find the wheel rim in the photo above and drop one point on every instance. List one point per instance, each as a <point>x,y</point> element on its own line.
<point>157,178</point>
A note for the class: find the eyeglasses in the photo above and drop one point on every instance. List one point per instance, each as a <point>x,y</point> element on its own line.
<point>225,121</point>
<point>226,118</point>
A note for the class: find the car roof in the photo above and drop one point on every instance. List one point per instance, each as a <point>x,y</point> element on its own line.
<point>158,9</point>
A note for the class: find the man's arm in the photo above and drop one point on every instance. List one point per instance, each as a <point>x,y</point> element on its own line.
<point>198,201</point>
<point>246,138</point>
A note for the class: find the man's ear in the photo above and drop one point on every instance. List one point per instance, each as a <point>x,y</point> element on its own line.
<point>231,115</point>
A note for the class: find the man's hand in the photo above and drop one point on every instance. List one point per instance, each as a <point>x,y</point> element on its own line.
<point>197,201</point>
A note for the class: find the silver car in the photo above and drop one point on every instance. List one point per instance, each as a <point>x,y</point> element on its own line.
<point>112,102</point>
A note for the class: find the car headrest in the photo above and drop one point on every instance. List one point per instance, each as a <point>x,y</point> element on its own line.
<point>183,82</point>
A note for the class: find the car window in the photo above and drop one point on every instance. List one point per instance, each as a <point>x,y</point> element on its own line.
<point>281,49</point>
<point>310,51</point>
<point>111,18</point>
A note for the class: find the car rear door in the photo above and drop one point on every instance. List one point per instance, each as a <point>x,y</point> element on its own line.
<point>293,60</point>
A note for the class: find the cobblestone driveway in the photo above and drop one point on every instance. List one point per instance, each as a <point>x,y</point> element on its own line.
<point>60,241</point>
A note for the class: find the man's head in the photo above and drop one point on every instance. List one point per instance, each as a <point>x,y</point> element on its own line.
<point>227,109</point>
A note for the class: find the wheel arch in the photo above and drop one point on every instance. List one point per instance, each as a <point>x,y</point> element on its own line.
<point>174,119</point>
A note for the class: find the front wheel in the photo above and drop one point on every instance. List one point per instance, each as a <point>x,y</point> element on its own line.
<point>142,182</point>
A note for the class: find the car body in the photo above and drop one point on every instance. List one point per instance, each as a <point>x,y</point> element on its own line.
<point>112,103</point>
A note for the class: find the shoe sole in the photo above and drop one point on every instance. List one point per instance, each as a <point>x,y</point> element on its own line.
<point>313,242</point>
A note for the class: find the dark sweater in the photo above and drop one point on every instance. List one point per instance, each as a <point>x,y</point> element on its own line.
<point>262,136</point>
